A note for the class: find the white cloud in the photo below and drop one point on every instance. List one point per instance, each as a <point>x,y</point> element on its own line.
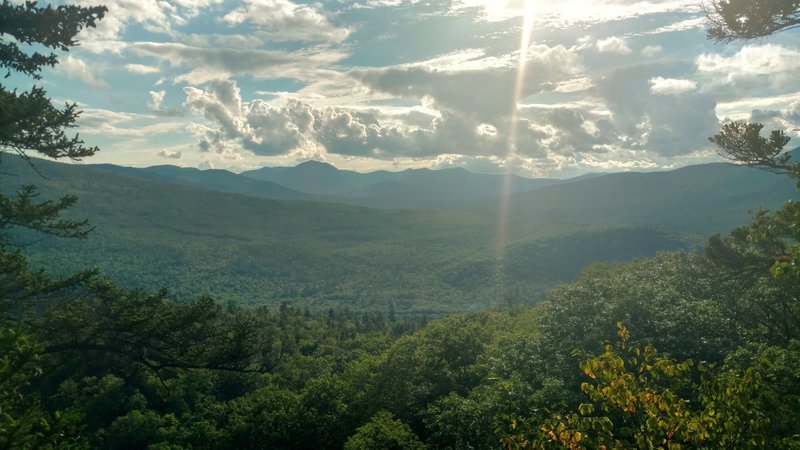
<point>76,68</point>
<point>291,126</point>
<point>156,99</point>
<point>741,108</point>
<point>671,86</point>
<point>221,63</point>
<point>205,165</point>
<point>652,50</point>
<point>141,69</point>
<point>107,123</point>
<point>283,20</point>
<point>668,125</point>
<point>156,105</point>
<point>170,154</point>
<point>568,14</point>
<point>613,44</point>
<point>778,64</point>
<point>683,25</point>
<point>485,91</point>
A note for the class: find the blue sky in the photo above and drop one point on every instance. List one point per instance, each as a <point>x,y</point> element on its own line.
<point>607,85</point>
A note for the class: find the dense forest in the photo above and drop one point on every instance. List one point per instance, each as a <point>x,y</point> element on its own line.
<point>689,348</point>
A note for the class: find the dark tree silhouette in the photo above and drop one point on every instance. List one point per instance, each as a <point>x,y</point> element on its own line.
<point>729,20</point>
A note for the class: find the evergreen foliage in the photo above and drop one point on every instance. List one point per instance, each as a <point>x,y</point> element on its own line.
<point>729,20</point>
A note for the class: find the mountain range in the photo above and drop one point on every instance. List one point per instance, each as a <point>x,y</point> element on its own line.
<point>703,199</point>
<point>155,228</point>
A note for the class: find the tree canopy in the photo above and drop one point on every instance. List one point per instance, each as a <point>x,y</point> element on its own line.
<point>730,20</point>
<point>28,120</point>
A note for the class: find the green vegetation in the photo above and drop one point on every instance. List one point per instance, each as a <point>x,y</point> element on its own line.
<point>262,252</point>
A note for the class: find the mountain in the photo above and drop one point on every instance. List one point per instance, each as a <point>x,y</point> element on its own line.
<point>410,189</point>
<point>704,199</point>
<point>312,180</point>
<point>312,177</point>
<point>213,179</point>
<point>244,249</point>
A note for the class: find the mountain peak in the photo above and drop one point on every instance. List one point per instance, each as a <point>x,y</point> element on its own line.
<point>318,165</point>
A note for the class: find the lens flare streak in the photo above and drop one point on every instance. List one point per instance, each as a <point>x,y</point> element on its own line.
<point>505,197</point>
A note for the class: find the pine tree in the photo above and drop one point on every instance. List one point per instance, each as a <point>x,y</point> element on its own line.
<point>31,125</point>
<point>729,20</point>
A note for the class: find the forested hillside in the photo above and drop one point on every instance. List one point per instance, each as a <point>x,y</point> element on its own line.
<point>703,199</point>
<point>262,252</point>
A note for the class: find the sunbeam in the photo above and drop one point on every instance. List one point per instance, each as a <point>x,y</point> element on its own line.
<point>505,198</point>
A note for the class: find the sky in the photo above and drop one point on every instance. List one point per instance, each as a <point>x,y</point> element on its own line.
<point>604,85</point>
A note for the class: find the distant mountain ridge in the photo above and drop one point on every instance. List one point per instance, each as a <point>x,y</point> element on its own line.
<point>170,226</point>
<point>317,181</point>
<point>151,233</point>
<point>408,189</point>
<point>213,179</point>
<point>706,199</point>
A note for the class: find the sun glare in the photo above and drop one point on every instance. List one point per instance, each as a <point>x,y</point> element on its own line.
<point>505,199</point>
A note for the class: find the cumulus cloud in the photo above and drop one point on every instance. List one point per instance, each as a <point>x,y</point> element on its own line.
<point>485,92</point>
<point>773,64</point>
<point>283,20</point>
<point>613,44</point>
<point>671,86</point>
<point>293,126</point>
<point>76,68</point>
<point>651,50</point>
<point>155,16</point>
<point>170,154</point>
<point>333,80</point>
<point>668,125</point>
<point>156,105</point>
<point>787,119</point>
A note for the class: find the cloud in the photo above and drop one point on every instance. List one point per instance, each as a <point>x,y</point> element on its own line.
<point>753,65</point>
<point>221,63</point>
<point>787,119</point>
<point>141,69</point>
<point>96,121</point>
<point>568,14</point>
<point>155,16</point>
<point>671,86</point>
<point>683,25</point>
<point>76,68</point>
<point>613,44</point>
<point>156,105</point>
<point>652,50</point>
<point>292,126</point>
<point>484,91</point>
<point>170,154</point>
<point>282,20</point>
<point>668,125</point>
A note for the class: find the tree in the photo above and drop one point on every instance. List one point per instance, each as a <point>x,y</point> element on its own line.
<point>729,20</point>
<point>28,120</point>
<point>775,235</point>
<point>742,142</point>
<point>384,432</point>
<point>29,123</point>
<point>639,398</point>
